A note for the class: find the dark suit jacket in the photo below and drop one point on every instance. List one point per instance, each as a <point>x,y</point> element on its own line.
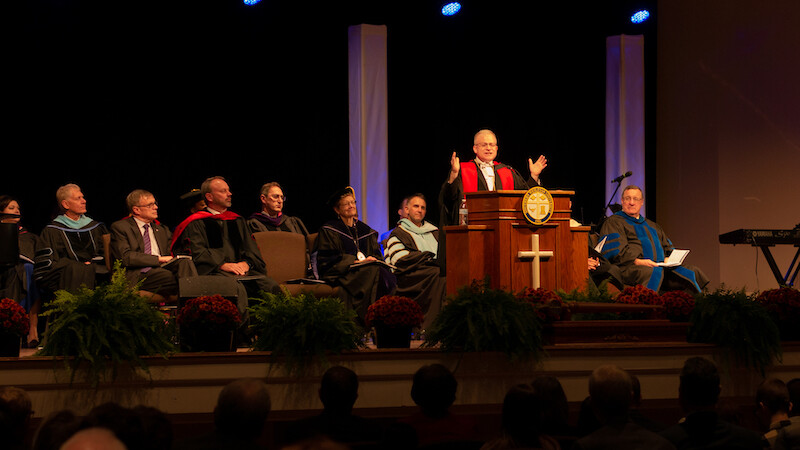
<point>127,244</point>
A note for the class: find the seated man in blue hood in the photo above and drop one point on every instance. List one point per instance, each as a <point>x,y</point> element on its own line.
<point>412,248</point>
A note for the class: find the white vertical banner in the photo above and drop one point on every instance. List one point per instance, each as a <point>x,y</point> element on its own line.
<point>369,161</point>
<point>624,112</point>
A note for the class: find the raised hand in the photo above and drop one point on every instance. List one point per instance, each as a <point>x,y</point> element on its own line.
<point>455,168</point>
<point>537,167</point>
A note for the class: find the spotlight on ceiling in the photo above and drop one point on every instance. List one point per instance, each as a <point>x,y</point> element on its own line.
<point>250,2</point>
<point>451,9</point>
<point>640,16</point>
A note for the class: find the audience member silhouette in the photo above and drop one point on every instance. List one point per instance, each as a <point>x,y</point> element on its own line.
<point>15,414</point>
<point>338,393</point>
<point>698,394</point>
<point>55,429</point>
<point>157,427</point>
<point>556,420</point>
<point>794,396</point>
<point>635,413</point>
<point>523,410</point>
<point>772,409</point>
<point>123,422</point>
<point>239,418</point>
<point>434,391</point>
<point>95,438</point>
<point>611,391</point>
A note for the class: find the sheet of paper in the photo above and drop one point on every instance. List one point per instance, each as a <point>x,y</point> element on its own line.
<point>599,247</point>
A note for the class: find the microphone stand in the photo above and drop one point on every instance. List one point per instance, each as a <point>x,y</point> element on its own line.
<point>603,215</point>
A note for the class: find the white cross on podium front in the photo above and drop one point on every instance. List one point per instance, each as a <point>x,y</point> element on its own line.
<point>537,255</point>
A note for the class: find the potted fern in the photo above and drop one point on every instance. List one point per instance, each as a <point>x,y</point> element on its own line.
<point>105,327</point>
<point>739,326</point>
<point>482,319</point>
<point>303,330</point>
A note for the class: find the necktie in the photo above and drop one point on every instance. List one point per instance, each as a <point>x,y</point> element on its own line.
<point>148,247</point>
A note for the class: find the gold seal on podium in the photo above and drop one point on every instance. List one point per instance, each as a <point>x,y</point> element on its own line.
<point>537,205</point>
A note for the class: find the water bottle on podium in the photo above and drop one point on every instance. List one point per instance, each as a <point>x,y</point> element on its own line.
<point>462,212</point>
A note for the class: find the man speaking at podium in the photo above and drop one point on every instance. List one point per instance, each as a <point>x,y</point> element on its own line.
<point>481,174</point>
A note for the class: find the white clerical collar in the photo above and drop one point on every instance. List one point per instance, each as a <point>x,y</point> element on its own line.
<point>482,164</point>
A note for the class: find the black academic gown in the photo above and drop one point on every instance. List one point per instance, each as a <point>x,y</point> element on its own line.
<point>68,258</point>
<point>418,274</point>
<point>212,242</point>
<point>16,281</point>
<point>337,247</point>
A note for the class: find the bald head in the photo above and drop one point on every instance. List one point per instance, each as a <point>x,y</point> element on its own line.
<point>93,439</point>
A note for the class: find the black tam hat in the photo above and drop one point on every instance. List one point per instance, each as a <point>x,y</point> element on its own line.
<point>333,201</point>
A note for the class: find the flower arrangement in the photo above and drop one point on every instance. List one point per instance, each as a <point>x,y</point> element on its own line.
<point>637,295</point>
<point>210,312</point>
<point>13,318</point>
<point>784,302</point>
<point>394,311</point>
<point>783,305</point>
<point>549,306</point>
<point>678,305</point>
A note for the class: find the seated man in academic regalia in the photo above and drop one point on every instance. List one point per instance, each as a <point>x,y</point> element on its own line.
<point>412,247</point>
<point>219,242</point>
<point>481,174</point>
<point>70,252</point>
<point>271,216</point>
<point>636,245</point>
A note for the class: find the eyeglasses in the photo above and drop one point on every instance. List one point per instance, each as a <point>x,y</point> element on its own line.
<point>347,203</point>
<point>486,144</point>
<point>278,197</point>
<point>149,205</point>
<point>631,199</point>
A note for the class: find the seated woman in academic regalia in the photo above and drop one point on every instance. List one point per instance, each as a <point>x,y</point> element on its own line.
<point>17,278</point>
<point>348,255</point>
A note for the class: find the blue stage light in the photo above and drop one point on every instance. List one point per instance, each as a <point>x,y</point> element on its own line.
<point>640,16</point>
<point>451,9</point>
<point>250,2</point>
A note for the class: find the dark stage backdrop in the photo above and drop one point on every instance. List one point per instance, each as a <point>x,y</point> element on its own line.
<point>119,95</point>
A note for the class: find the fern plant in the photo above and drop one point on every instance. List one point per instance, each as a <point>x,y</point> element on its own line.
<point>104,327</point>
<point>739,326</point>
<point>481,319</point>
<point>303,329</point>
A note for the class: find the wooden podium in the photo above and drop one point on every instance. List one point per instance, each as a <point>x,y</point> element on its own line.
<point>501,243</point>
